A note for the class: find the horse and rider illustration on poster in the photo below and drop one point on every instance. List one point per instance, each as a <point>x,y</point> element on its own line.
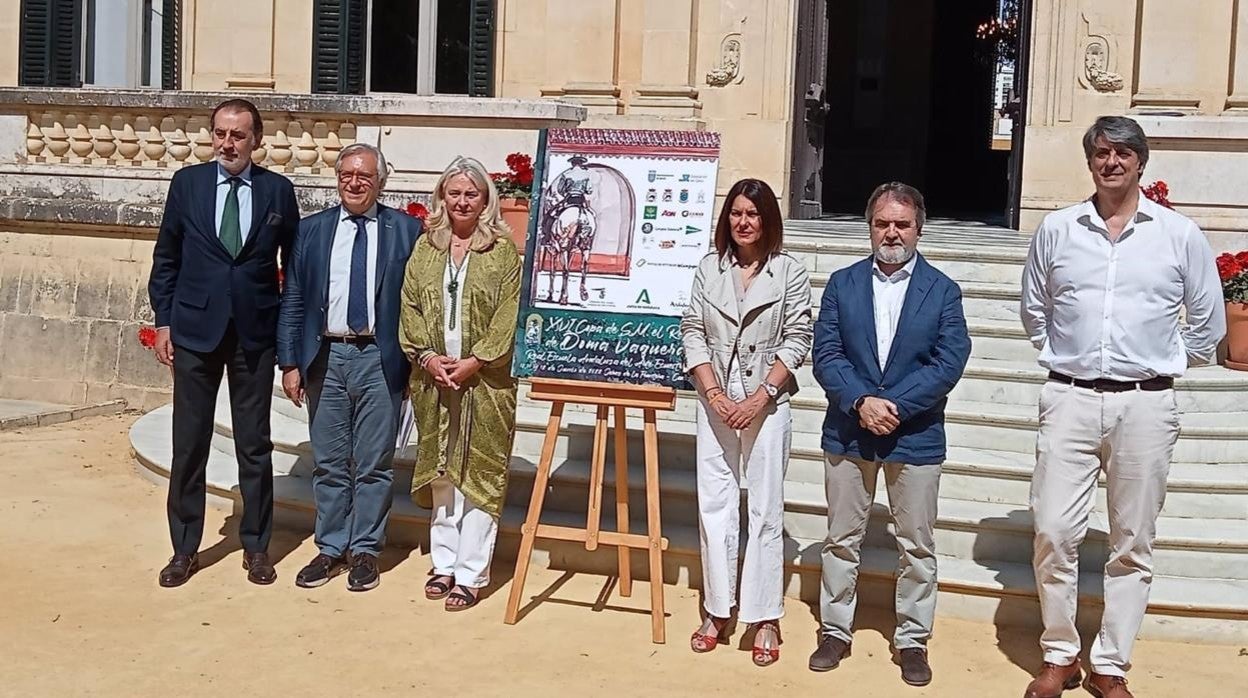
<point>621,220</point>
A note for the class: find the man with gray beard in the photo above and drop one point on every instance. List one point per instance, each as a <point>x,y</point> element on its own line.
<point>890,343</point>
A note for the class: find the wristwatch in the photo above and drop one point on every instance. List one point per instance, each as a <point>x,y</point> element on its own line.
<point>772,391</point>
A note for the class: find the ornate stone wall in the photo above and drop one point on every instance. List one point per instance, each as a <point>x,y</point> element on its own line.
<point>1180,69</point>
<point>83,176</point>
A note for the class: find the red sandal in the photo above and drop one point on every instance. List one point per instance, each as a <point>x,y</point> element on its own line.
<point>704,642</point>
<point>765,654</point>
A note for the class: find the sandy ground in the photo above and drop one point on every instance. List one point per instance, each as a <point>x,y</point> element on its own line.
<point>83,537</point>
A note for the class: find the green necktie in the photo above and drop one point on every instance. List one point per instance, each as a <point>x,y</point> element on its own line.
<point>231,234</point>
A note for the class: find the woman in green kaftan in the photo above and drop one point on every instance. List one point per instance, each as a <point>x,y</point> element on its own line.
<point>461,294</point>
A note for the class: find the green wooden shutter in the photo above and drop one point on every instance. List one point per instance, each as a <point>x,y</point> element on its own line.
<point>171,45</point>
<point>481,49</point>
<point>338,46</point>
<point>50,50</point>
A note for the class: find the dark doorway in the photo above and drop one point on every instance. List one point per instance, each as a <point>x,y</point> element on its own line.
<point>910,94</point>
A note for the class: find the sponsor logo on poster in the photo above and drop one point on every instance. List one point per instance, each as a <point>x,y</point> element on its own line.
<point>643,301</point>
<point>692,214</point>
<point>684,196</point>
<point>692,230</point>
<point>650,196</point>
<point>667,196</point>
<point>651,175</point>
<point>666,244</point>
<point>701,196</point>
<point>650,213</point>
<point>647,227</point>
<point>668,213</point>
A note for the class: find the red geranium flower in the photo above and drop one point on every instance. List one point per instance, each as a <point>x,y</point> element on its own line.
<point>1158,192</point>
<point>1229,265</point>
<point>417,210</point>
<point>147,337</point>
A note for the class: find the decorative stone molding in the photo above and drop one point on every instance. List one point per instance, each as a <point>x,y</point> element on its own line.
<point>1095,66</point>
<point>728,71</point>
<point>1098,56</point>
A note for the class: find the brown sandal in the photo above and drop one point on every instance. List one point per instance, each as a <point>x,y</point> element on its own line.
<point>468,596</point>
<point>436,589</point>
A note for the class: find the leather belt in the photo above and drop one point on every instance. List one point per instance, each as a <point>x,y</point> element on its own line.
<point>353,339</point>
<point>1104,385</point>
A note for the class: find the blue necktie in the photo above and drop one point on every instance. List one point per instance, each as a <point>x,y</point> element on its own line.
<point>357,295</point>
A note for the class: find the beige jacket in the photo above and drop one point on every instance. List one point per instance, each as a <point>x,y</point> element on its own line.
<point>775,322</point>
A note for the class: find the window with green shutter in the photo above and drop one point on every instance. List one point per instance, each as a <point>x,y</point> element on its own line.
<point>432,47</point>
<point>50,43</point>
<point>338,46</point>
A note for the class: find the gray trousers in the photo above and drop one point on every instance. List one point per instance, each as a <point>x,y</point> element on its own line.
<point>354,421</point>
<point>912,495</point>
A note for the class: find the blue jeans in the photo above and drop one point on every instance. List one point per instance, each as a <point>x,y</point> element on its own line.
<point>354,421</point>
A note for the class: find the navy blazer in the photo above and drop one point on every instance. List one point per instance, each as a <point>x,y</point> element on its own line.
<point>196,288</point>
<point>926,360</point>
<point>305,300</point>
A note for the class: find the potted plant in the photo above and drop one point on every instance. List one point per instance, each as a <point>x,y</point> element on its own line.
<point>514,189</point>
<point>1233,271</point>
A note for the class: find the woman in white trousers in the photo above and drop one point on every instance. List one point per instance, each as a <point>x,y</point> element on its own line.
<point>746,330</point>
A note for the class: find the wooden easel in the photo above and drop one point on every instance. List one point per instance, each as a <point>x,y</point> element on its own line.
<point>605,395</point>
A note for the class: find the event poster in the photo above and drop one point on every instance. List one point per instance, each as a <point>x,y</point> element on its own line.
<point>620,222</point>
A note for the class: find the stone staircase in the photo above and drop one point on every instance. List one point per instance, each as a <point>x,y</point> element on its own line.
<point>1200,589</point>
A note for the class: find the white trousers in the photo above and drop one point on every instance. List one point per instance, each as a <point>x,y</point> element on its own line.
<point>461,536</point>
<point>1130,437</point>
<point>753,459</point>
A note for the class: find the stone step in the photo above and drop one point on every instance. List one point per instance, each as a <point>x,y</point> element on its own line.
<point>1208,610</point>
<point>980,300</point>
<point>1196,489</point>
<point>1184,546</point>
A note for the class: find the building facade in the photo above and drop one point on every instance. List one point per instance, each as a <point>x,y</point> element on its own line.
<point>101,100</point>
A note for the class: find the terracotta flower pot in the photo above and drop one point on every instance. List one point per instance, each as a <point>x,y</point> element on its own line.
<point>1237,336</point>
<point>516,215</point>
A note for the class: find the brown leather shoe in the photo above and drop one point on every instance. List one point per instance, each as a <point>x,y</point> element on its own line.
<point>179,569</point>
<point>1054,679</point>
<point>828,655</point>
<point>1106,686</point>
<point>259,569</point>
<point>914,667</point>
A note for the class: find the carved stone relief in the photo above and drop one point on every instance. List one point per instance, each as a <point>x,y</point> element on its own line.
<point>1098,59</point>
<point>729,69</point>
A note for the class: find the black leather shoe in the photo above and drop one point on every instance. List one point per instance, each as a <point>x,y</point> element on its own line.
<point>322,569</point>
<point>364,574</point>
<point>828,655</point>
<point>259,569</point>
<point>179,569</point>
<point>914,667</point>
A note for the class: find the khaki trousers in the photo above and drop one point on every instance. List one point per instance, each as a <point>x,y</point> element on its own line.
<point>1130,437</point>
<point>912,498</point>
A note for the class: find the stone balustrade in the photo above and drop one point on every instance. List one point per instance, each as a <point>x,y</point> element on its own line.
<point>303,135</point>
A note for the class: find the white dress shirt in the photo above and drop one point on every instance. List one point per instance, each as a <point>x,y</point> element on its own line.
<point>244,199</point>
<point>340,271</point>
<point>1101,309</point>
<point>454,336</point>
<point>889,293</point>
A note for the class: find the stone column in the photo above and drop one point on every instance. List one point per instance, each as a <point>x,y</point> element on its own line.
<point>1183,55</point>
<point>668,60</point>
<point>583,47</point>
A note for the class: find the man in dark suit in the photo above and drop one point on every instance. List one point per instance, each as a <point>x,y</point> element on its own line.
<point>214,290</point>
<point>338,340</point>
<point>890,343</point>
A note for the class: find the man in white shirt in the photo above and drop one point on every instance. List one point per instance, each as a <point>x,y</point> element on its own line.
<point>890,343</point>
<point>1103,288</point>
<point>338,340</point>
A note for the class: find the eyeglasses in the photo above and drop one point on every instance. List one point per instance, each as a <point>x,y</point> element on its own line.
<point>348,177</point>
